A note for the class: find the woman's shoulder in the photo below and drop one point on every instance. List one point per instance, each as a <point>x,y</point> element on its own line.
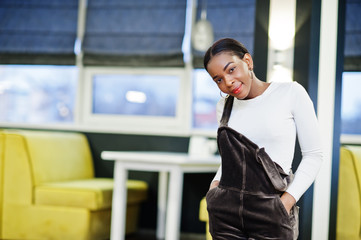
<point>290,87</point>
<point>286,85</point>
<point>294,92</point>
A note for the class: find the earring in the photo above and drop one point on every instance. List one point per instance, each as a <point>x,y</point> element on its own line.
<point>220,93</point>
<point>251,70</point>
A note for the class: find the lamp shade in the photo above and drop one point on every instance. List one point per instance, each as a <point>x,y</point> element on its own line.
<point>202,35</point>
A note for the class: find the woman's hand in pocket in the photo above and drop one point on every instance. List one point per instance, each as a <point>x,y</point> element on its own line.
<point>288,201</point>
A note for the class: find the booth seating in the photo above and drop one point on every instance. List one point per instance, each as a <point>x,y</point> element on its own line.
<point>48,189</point>
<point>203,216</point>
<point>348,224</point>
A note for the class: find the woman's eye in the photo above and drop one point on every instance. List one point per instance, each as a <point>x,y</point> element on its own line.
<point>219,80</point>
<point>231,70</point>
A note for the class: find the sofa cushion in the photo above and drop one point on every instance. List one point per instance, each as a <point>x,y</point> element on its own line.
<point>349,193</point>
<point>57,156</point>
<point>203,213</point>
<point>93,194</point>
<point>137,191</point>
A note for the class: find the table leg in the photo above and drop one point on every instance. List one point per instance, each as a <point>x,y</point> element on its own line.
<point>162,204</point>
<point>119,202</point>
<point>174,204</point>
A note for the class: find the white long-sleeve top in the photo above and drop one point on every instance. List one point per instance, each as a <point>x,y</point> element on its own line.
<point>273,120</point>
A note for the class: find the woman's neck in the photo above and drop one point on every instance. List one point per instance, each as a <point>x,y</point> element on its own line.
<point>257,88</point>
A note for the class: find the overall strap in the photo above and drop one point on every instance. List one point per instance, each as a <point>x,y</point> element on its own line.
<point>227,111</point>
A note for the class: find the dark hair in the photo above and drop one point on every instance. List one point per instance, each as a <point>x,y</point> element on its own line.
<point>224,45</point>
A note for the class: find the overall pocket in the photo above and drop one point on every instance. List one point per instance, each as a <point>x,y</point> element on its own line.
<point>265,215</point>
<point>293,217</point>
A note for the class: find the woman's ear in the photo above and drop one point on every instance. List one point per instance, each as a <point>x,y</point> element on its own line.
<point>248,59</point>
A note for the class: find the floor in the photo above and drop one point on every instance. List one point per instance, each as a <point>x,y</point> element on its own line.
<point>150,235</point>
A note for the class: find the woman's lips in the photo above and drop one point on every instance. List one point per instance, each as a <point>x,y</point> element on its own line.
<point>236,90</point>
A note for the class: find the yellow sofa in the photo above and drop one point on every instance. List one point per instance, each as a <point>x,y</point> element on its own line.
<point>348,225</point>
<point>48,189</point>
<point>203,216</point>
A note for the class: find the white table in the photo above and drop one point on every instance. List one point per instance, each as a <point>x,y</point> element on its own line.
<point>169,209</point>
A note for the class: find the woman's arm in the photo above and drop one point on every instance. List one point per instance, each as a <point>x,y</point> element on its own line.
<point>309,140</point>
<point>214,184</point>
<point>216,179</point>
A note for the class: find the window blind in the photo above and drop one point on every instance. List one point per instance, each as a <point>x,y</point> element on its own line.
<point>229,18</point>
<point>134,33</point>
<point>352,51</point>
<point>38,31</point>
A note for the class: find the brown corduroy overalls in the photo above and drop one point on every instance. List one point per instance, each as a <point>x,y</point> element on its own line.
<point>246,204</point>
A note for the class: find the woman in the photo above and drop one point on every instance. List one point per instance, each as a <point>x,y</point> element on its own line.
<point>254,193</point>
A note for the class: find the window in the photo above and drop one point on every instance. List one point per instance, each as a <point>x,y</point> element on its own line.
<point>205,98</point>
<point>148,100</point>
<point>37,94</point>
<point>351,103</point>
<point>139,95</point>
<point>131,75</point>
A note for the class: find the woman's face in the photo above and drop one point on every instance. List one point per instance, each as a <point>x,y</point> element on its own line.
<point>231,74</point>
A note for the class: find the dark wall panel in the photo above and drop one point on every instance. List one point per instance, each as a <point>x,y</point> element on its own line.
<point>306,73</point>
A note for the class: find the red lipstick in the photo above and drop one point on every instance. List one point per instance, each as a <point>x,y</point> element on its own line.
<point>236,90</point>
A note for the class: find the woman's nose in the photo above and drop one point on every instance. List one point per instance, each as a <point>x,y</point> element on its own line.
<point>229,81</point>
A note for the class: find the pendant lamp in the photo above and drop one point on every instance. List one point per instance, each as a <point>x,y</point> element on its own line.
<point>202,34</point>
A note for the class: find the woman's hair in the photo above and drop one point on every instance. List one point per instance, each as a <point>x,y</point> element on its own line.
<point>224,45</point>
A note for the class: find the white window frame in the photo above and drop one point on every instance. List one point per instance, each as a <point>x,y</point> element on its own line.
<point>178,125</point>
<point>349,138</point>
